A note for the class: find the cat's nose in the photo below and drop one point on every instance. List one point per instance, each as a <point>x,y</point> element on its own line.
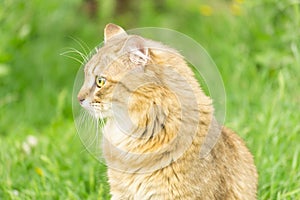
<point>80,99</point>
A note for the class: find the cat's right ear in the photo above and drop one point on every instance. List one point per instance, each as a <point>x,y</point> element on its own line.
<point>112,30</point>
<point>137,49</point>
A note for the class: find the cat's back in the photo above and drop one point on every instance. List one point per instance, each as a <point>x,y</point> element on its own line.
<point>234,168</point>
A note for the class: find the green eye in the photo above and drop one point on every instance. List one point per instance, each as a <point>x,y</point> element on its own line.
<point>100,81</point>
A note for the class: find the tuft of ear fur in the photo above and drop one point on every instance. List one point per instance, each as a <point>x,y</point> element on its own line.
<point>112,30</point>
<point>138,52</point>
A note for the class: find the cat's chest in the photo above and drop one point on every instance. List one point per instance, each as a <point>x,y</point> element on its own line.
<point>138,186</point>
<point>114,134</point>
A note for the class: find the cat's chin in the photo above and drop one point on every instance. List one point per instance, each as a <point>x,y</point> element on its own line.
<point>97,114</point>
<point>101,115</point>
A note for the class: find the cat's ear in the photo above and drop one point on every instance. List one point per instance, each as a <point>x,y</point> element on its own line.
<point>112,30</point>
<point>138,52</point>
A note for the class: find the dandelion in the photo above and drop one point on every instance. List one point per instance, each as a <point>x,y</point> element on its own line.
<point>15,192</point>
<point>32,141</point>
<point>206,10</point>
<point>39,171</point>
<point>26,148</point>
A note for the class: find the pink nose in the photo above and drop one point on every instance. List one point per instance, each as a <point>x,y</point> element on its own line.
<point>80,99</point>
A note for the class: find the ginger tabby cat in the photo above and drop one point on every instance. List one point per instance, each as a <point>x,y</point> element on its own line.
<point>157,119</point>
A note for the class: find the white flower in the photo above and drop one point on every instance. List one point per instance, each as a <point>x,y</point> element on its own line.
<point>26,148</point>
<point>32,141</point>
<point>15,192</point>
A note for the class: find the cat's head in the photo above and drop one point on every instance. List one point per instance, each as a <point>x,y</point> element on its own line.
<point>120,54</point>
<point>117,71</point>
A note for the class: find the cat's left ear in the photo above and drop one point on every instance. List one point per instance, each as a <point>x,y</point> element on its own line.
<point>112,30</point>
<point>137,49</point>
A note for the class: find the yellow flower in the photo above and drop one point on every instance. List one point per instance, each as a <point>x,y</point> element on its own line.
<point>236,9</point>
<point>239,1</point>
<point>206,10</point>
<point>39,171</point>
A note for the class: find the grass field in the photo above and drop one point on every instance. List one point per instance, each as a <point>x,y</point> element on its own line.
<point>255,45</point>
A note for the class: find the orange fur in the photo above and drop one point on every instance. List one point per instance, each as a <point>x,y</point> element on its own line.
<point>157,123</point>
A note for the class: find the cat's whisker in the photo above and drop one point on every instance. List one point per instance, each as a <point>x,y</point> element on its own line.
<point>96,49</point>
<point>73,50</point>
<point>85,118</point>
<point>93,140</point>
<point>85,48</point>
<point>83,55</point>
<point>101,119</point>
<point>90,144</point>
<point>81,117</point>
<point>97,134</point>
<point>81,122</point>
<point>95,122</point>
<point>76,59</point>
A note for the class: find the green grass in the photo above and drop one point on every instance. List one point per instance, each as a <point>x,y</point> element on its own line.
<point>256,51</point>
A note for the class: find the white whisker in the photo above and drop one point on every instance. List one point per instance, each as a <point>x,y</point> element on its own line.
<point>73,50</point>
<point>68,56</point>
<point>97,134</point>
<point>85,49</point>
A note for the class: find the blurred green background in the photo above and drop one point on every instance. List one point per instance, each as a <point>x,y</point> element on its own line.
<point>255,45</point>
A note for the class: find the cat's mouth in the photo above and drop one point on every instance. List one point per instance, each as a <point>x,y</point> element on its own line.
<point>96,110</point>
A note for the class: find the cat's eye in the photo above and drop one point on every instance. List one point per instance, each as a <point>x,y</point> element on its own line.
<point>100,81</point>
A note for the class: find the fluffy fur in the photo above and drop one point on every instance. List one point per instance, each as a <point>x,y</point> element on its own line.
<point>157,122</point>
